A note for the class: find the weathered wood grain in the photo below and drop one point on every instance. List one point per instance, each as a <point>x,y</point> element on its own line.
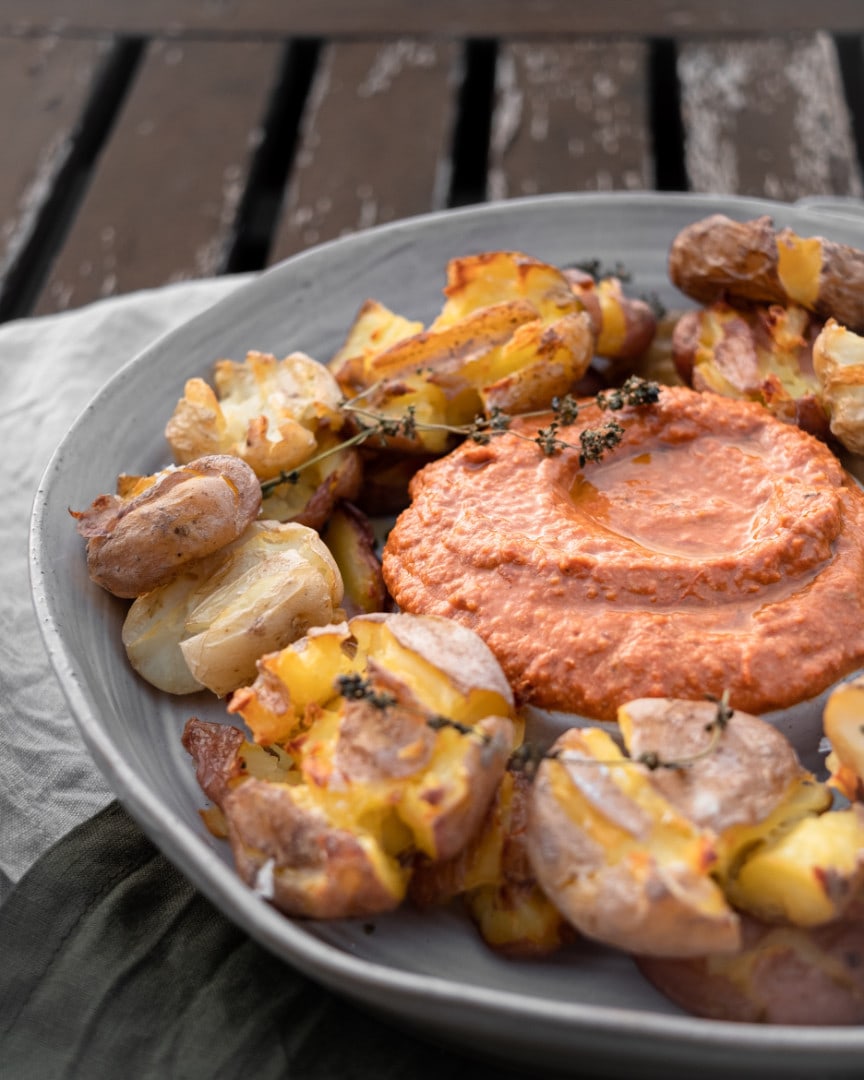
<point>375,140</point>
<point>164,196</point>
<point>44,87</point>
<point>443,17</point>
<point>570,117</point>
<point>767,118</point>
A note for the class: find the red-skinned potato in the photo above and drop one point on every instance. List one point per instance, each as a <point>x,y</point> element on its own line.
<point>643,852</point>
<point>781,856</point>
<point>511,336</point>
<point>623,327</point>
<point>284,846</point>
<point>143,538</point>
<point>843,723</point>
<point>494,878</point>
<point>758,353</point>
<point>616,858</point>
<point>209,626</point>
<point>718,258</point>
<point>781,975</point>
<point>450,668</point>
<point>351,541</point>
<point>398,729</point>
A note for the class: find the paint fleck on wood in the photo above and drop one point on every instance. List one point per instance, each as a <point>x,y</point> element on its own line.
<point>767,117</point>
<point>163,200</point>
<point>570,117</point>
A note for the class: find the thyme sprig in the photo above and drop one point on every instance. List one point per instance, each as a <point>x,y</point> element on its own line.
<point>355,687</point>
<point>527,759</point>
<point>596,269</point>
<point>593,442</point>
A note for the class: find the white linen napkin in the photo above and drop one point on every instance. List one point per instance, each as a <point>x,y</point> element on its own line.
<point>51,367</point>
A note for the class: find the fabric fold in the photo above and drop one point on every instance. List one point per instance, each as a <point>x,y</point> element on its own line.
<point>114,965</point>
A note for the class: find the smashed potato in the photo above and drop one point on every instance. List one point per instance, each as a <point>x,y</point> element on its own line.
<point>351,540</point>
<point>511,335</point>
<point>143,537</point>
<point>781,857</point>
<point>398,732</point>
<point>209,626</point>
<point>798,884</point>
<point>655,859</point>
<point>843,723</point>
<point>379,763</point>
<point>265,411</point>
<point>494,878</point>
<point>838,359</point>
<point>807,872</point>
<point>450,668</point>
<point>276,415</point>
<point>623,327</point>
<point>718,258</point>
<point>616,858</point>
<point>761,353</point>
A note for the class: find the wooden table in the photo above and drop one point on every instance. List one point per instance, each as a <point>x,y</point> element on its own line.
<point>146,143</point>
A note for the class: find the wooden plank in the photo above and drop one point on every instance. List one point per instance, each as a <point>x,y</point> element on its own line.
<point>163,200</point>
<point>767,118</point>
<point>44,87</point>
<point>375,140</point>
<point>444,17</point>
<point>570,117</point>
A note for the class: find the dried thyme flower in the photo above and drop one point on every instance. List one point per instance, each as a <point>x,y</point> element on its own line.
<point>593,442</point>
<point>355,688</point>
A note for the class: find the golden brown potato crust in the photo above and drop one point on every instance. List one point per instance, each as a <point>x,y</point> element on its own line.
<point>756,353</point>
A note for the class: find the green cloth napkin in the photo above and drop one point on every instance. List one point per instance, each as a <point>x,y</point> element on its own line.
<point>113,965</point>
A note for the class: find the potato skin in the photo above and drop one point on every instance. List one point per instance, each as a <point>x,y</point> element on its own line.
<point>351,540</point>
<point>283,845</point>
<point>743,778</point>
<point>657,853</point>
<point>342,482</point>
<point>319,871</point>
<point>137,544</point>
<point>484,764</point>
<point>782,975</point>
<point>596,860</point>
<point>757,353</point>
<point>717,257</point>
<point>842,725</point>
<point>384,749</point>
<point>215,749</point>
<point>493,876</point>
<point>623,326</point>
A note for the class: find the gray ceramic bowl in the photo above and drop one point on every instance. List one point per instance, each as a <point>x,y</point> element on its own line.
<point>587,1009</point>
